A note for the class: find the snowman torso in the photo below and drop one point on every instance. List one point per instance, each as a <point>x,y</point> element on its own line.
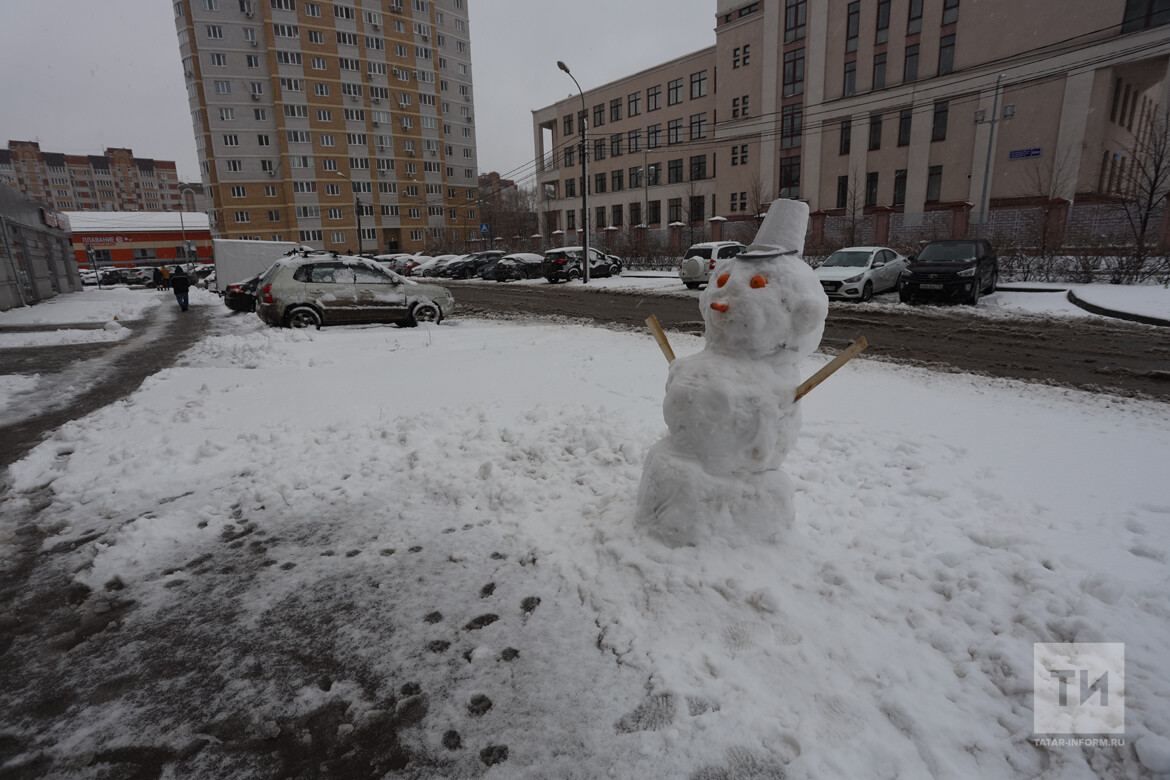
<point>730,414</point>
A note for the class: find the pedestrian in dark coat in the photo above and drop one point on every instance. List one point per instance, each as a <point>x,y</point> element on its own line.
<point>180,283</point>
<point>157,278</point>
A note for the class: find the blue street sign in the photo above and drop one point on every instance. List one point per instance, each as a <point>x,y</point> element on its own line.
<point>1023,154</point>
<point>483,229</point>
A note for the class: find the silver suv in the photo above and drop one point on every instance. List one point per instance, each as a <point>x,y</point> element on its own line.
<point>698,261</point>
<point>321,288</point>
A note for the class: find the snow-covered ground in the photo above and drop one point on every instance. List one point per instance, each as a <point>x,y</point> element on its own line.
<point>111,331</point>
<point>326,523</point>
<point>89,305</point>
<point>1151,300</point>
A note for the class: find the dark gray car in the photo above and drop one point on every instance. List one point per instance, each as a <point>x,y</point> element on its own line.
<point>959,269</point>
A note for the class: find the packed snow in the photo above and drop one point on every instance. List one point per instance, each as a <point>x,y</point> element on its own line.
<point>1145,300</point>
<point>358,538</point>
<point>111,331</point>
<point>91,305</point>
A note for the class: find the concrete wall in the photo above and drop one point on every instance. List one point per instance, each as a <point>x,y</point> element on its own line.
<point>35,260</point>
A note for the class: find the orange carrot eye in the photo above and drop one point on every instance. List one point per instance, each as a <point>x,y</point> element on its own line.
<point>758,281</point>
<point>723,277</point>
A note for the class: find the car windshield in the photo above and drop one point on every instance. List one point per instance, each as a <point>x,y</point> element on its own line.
<point>847,260</point>
<point>935,253</point>
<point>699,251</point>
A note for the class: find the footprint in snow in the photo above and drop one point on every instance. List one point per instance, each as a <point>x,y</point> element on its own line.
<point>510,654</point>
<point>438,646</point>
<point>433,617</point>
<point>352,553</point>
<point>487,590</point>
<point>479,705</point>
<point>452,740</point>
<point>498,556</point>
<point>494,754</point>
<point>481,622</point>
<point>529,604</point>
<point>416,548</point>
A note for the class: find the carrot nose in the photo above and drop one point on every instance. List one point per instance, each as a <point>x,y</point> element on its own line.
<point>719,306</point>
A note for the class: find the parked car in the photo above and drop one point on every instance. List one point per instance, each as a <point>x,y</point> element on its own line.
<point>962,269</point>
<point>700,259</point>
<point>241,296</point>
<point>564,263</point>
<point>468,266</point>
<point>321,288</point>
<point>88,277</point>
<point>860,272</point>
<point>428,263</point>
<point>437,268</point>
<point>520,265</point>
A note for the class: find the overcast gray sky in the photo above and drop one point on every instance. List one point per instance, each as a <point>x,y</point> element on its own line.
<point>81,75</point>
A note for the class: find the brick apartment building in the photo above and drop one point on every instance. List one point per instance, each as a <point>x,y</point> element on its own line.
<point>114,181</point>
<point>886,116</point>
<point>310,116</point>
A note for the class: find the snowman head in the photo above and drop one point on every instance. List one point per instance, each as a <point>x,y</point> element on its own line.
<point>764,304</point>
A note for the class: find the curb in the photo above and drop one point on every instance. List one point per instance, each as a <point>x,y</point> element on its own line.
<point>1120,315</point>
<point>1010,288</point>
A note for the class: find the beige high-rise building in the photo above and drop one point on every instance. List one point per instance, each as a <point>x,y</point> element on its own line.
<point>906,119</point>
<point>311,116</point>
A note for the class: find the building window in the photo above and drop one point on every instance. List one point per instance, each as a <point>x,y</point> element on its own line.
<point>653,136</point>
<point>674,131</point>
<point>793,73</point>
<point>674,210</point>
<point>599,115</point>
<point>852,25</point>
<point>914,18</point>
<point>634,104</point>
<point>698,167</point>
<point>875,132</point>
<point>674,92</point>
<point>615,218</point>
<point>842,191</point>
<point>599,149</point>
<point>654,174</point>
<point>910,67</point>
<point>697,211</point>
<point>739,154</point>
<point>849,83</point>
<point>599,182</point>
<point>843,142</point>
<point>567,123</point>
<point>790,127</point>
<point>674,172</point>
<point>741,56</point>
<point>871,188</point>
<point>600,218</point>
<point>739,107</point>
<point>634,141</point>
<point>570,188</point>
<point>698,126</point>
<point>790,177</point>
<point>654,212</point>
<point>571,220</point>
<point>946,54</point>
<point>938,130</point>
<point>223,87</point>
<point>636,180</point>
<point>883,21</point>
<point>219,60</point>
<point>795,16</point>
<point>934,184</point>
<point>950,11</point>
<point>215,32</point>
<point>635,213</point>
<point>900,187</point>
<point>615,145</point>
<point>615,110</point>
<point>617,180</point>
<point>1143,14</point>
<point>879,71</point>
<point>653,98</point>
<point>698,85</point>
<point>570,157</point>
<point>904,119</point>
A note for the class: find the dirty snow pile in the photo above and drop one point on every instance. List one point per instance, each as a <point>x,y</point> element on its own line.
<point>111,331</point>
<point>359,551</point>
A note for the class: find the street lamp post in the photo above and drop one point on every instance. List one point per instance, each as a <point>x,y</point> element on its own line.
<point>182,224</point>
<point>357,212</point>
<point>584,179</point>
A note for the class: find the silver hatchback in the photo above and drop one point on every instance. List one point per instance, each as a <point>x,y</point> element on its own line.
<point>321,288</point>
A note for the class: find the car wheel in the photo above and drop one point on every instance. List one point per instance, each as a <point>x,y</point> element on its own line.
<point>867,292</point>
<point>905,295</point>
<point>994,282</point>
<point>574,274</point>
<point>422,312</point>
<point>692,285</point>
<point>615,270</point>
<point>303,317</point>
<point>973,296</point>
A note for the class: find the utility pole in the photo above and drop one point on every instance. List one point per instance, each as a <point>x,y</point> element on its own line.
<point>985,196</point>
<point>584,179</point>
<point>357,210</point>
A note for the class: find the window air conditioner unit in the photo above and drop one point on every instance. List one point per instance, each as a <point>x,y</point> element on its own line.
<point>255,96</point>
<point>376,101</point>
<point>376,26</point>
<point>376,123</point>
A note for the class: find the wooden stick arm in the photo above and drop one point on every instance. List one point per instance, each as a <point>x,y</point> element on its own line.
<point>853,350</point>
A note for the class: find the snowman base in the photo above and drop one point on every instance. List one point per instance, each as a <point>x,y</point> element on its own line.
<point>681,504</point>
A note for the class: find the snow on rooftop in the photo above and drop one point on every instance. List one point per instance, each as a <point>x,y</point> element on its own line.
<point>82,221</point>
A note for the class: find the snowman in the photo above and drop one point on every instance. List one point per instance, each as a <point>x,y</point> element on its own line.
<point>730,408</point>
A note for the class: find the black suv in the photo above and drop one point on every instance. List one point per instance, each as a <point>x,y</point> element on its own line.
<point>962,269</point>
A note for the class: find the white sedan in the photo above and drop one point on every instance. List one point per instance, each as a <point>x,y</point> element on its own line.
<point>860,272</point>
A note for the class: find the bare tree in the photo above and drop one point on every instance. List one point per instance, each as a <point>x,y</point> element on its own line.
<point>759,198</point>
<point>854,205</point>
<point>1144,189</point>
